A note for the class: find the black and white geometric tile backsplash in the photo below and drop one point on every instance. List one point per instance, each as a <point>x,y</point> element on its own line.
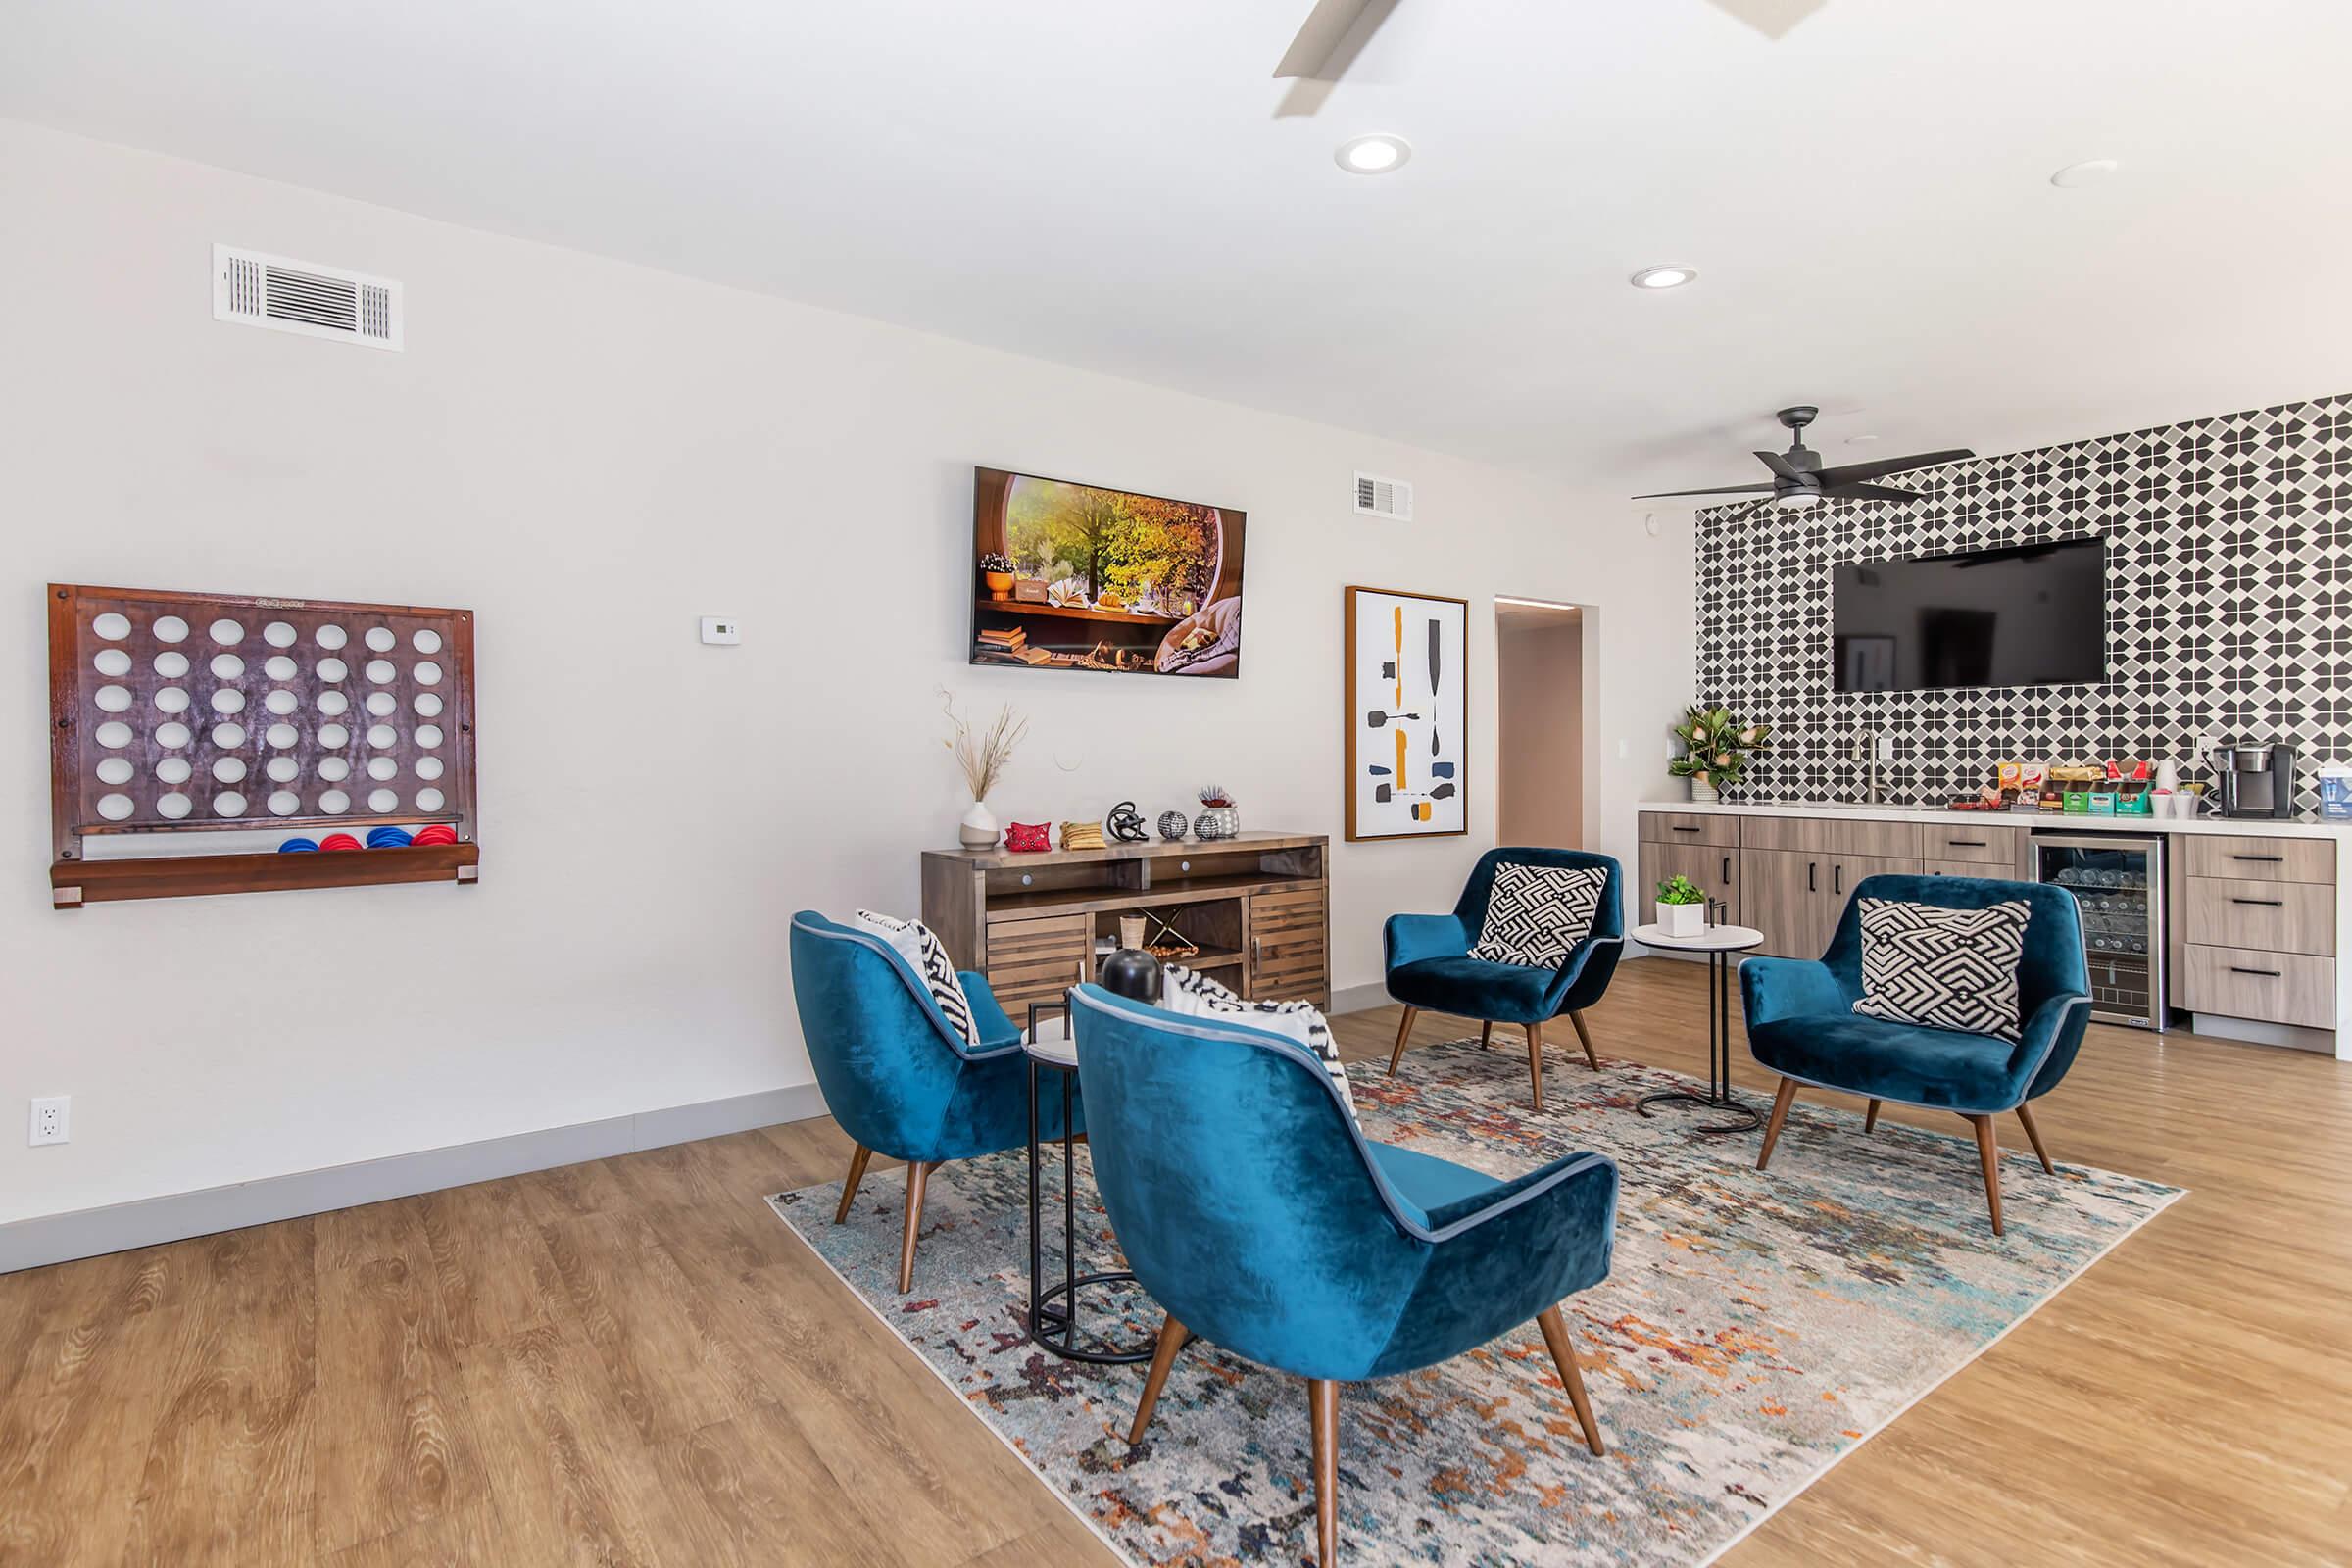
<point>2229,607</point>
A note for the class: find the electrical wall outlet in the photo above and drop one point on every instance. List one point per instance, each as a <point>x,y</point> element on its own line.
<point>722,630</point>
<point>52,1119</point>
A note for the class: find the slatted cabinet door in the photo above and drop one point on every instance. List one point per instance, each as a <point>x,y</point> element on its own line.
<point>1037,960</point>
<point>1289,948</point>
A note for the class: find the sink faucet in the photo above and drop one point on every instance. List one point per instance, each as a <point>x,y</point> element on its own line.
<point>1866,752</point>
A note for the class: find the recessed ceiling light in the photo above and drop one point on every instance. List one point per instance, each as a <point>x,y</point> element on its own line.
<point>1664,276</point>
<point>1374,155</point>
<point>1859,440</point>
<point>2088,172</point>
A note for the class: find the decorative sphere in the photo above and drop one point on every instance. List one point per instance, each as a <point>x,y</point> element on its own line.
<point>1132,973</point>
<point>1172,825</point>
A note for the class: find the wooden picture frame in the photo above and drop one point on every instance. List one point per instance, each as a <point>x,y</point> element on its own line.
<point>1408,692</point>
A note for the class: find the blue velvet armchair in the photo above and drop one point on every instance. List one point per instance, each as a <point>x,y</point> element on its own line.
<point>1801,1022</point>
<point>1428,963</point>
<point>1263,1221</point>
<point>896,1075</point>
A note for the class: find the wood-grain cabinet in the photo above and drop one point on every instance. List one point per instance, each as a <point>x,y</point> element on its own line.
<point>1789,876</point>
<point>1257,907</point>
<point>2256,929</point>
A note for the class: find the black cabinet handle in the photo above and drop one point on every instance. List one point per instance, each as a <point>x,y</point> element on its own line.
<point>2268,904</point>
<point>1812,877</point>
<point>1727,870</point>
<point>1673,829</point>
<point>1967,844</point>
<point>1837,878</point>
<point>2266,860</point>
<point>2238,968</point>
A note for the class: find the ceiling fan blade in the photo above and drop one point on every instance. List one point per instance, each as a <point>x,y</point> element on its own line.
<point>1719,490</point>
<point>1781,466</point>
<point>1771,18</point>
<point>1867,492</point>
<point>1851,472</point>
<point>1334,34</point>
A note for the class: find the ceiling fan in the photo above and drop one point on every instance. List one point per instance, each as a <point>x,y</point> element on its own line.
<point>1799,480</point>
<point>1336,31</point>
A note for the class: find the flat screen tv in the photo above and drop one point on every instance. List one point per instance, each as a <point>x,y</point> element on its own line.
<point>2027,615</point>
<point>1072,576</point>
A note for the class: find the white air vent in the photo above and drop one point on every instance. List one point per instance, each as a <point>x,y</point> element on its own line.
<point>1375,496</point>
<point>290,296</point>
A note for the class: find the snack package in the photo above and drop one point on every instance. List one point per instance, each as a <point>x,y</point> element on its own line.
<point>2006,775</point>
<point>2030,776</point>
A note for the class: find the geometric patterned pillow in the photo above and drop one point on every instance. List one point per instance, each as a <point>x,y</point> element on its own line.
<point>929,960</point>
<point>1188,991</point>
<point>1536,914</point>
<point>1945,968</point>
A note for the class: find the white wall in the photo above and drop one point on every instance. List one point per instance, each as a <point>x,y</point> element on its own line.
<point>589,456</point>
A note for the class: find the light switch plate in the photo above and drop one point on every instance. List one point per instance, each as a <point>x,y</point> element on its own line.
<point>722,630</point>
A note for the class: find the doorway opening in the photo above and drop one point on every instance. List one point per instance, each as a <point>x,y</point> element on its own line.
<point>1539,688</point>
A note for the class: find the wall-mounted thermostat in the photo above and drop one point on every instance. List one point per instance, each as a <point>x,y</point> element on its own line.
<point>721,629</point>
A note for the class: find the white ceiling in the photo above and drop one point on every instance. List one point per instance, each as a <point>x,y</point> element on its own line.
<point>1109,184</point>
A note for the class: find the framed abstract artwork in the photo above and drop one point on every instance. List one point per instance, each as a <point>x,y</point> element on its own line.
<point>1408,741</point>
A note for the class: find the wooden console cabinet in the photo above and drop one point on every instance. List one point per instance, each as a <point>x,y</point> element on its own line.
<point>1257,905</point>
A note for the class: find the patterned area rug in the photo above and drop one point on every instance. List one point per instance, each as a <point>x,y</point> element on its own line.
<point>1755,1327</point>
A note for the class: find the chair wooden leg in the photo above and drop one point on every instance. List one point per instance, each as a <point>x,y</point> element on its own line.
<point>1870,1117</point>
<point>2024,1114</point>
<point>1781,1102</point>
<point>848,1188</point>
<point>918,1176</point>
<point>1404,1030</point>
<point>1563,1356</point>
<point>1989,1153</point>
<point>1172,1338</point>
<point>1534,1061</point>
<point>1486,1033</point>
<point>1584,1038</point>
<point>1323,1420</point>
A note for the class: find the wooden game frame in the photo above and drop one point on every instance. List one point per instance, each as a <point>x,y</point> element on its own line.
<point>77,717</point>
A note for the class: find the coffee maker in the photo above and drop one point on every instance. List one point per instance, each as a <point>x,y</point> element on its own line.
<point>2254,780</point>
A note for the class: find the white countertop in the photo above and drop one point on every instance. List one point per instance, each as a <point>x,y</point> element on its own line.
<point>2052,821</point>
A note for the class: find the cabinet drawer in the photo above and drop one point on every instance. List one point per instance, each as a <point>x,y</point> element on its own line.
<point>1785,833</point>
<point>2003,872</point>
<point>1993,847</point>
<point>1883,839</point>
<point>2264,917</point>
<point>2279,860</point>
<point>2248,983</point>
<point>1689,827</point>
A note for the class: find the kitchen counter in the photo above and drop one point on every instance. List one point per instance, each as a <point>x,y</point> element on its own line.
<point>2054,821</point>
<point>2248,929</point>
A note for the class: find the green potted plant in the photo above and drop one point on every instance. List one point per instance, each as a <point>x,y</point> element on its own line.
<point>1716,749</point>
<point>1682,907</point>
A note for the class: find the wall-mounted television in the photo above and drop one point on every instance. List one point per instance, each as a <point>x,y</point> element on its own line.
<point>1073,576</point>
<point>2024,615</point>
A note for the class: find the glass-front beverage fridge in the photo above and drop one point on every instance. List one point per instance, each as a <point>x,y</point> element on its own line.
<point>2118,880</point>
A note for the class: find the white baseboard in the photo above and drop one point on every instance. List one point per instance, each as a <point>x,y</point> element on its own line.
<point>118,1227</point>
<point>1357,998</point>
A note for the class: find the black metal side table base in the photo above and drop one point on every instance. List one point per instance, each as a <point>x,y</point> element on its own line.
<point>1053,1309</point>
<point>1719,1058</point>
<point>1726,1103</point>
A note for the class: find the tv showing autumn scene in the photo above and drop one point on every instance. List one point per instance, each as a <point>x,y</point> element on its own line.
<point>1069,576</point>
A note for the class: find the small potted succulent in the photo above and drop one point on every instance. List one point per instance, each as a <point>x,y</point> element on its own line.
<point>1219,817</point>
<point>995,570</point>
<point>1682,907</point>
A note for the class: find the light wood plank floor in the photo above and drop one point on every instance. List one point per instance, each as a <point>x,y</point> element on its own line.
<point>631,1362</point>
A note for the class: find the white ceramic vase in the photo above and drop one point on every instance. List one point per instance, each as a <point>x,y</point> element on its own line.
<point>1681,919</point>
<point>1702,791</point>
<point>979,827</point>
